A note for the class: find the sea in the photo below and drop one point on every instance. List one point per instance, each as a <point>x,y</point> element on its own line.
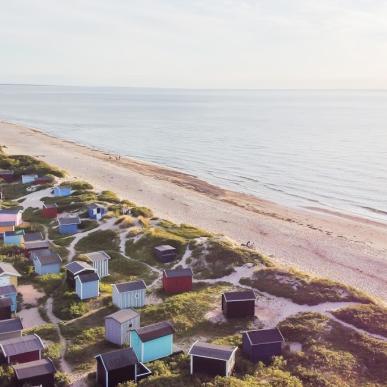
<point>300,148</point>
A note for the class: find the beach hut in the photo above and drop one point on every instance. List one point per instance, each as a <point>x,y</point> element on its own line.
<point>49,211</point>
<point>262,344</point>
<point>68,224</point>
<point>9,292</point>
<point>41,180</point>
<point>129,294</point>
<point>119,366</point>
<point>10,328</point>
<point>153,341</point>
<point>13,215</point>
<point>95,211</point>
<point>119,324</point>
<point>33,237</point>
<point>22,349</point>
<point>46,262</point>
<point>5,308</point>
<point>39,246</point>
<point>238,304</point>
<point>62,190</point>
<point>28,179</point>
<point>87,285</point>
<point>6,226</point>
<point>13,238</point>
<point>75,268</point>
<point>100,262</point>
<point>165,253</point>
<point>212,359</point>
<point>35,373</point>
<point>7,175</point>
<point>177,280</point>
<point>8,274</point>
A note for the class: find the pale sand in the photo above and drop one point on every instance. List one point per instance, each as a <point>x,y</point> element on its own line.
<point>346,248</point>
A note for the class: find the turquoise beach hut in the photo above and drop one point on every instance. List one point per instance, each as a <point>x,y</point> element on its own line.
<point>153,341</point>
<point>62,190</point>
<point>13,238</point>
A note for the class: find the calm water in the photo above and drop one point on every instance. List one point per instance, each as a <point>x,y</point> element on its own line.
<point>300,148</point>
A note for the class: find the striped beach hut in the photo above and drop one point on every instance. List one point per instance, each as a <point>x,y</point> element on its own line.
<point>119,324</point>
<point>100,262</point>
<point>46,262</point>
<point>129,294</point>
<point>87,285</point>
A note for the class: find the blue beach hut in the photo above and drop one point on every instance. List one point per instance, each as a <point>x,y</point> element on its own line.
<point>13,238</point>
<point>153,341</point>
<point>9,291</point>
<point>68,224</point>
<point>87,285</point>
<point>28,179</point>
<point>46,262</point>
<point>62,190</point>
<point>95,211</point>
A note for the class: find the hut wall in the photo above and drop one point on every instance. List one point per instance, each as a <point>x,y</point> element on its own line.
<point>203,365</point>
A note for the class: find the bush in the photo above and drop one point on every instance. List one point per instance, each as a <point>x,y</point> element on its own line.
<point>125,221</point>
<point>77,185</point>
<point>142,211</point>
<point>99,240</point>
<point>108,196</point>
<point>62,379</point>
<point>45,331</point>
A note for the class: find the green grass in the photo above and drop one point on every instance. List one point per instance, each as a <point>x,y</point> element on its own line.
<point>14,190</point>
<point>371,318</point>
<point>77,185</point>
<point>108,196</point>
<point>124,269</point>
<point>34,215</point>
<point>48,283</point>
<point>64,242</point>
<point>142,211</point>
<point>302,288</point>
<point>98,240</point>
<point>45,331</point>
<point>183,230</point>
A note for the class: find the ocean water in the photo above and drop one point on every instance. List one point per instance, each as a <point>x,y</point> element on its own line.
<point>317,148</point>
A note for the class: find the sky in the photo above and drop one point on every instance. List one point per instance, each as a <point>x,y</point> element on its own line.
<point>195,44</point>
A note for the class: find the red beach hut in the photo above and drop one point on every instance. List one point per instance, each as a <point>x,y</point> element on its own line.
<point>49,211</point>
<point>177,280</point>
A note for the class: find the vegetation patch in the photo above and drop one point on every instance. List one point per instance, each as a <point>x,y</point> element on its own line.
<point>46,332</point>
<point>108,196</point>
<point>183,230</point>
<point>99,240</point>
<point>302,288</point>
<point>34,215</point>
<point>142,211</point>
<point>371,318</point>
<point>125,221</point>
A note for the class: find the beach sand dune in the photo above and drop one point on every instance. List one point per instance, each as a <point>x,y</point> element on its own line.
<point>338,246</point>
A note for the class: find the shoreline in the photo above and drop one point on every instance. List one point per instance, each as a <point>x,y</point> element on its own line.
<point>320,241</point>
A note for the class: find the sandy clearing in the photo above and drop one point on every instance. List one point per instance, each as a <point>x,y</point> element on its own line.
<point>31,318</point>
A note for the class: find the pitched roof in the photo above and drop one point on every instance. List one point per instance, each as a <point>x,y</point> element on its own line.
<point>68,220</point>
<point>7,224</point>
<point>34,368</point>
<point>5,302</point>
<point>264,336</point>
<point>48,259</point>
<point>11,325</point>
<point>8,269</point>
<point>175,273</point>
<point>37,245</point>
<point>119,358</point>
<point>7,289</point>
<point>33,237</point>
<point>245,295</point>
<point>10,210</point>
<point>123,315</point>
<point>98,256</point>
<point>129,286</point>
<point>164,248</point>
<point>88,277</point>
<point>14,233</point>
<point>212,351</point>
<point>23,344</point>
<point>76,267</point>
<point>154,331</point>
<point>6,172</point>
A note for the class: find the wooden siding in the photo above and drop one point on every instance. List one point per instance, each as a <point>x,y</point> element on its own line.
<point>238,309</point>
<point>131,299</point>
<point>86,290</point>
<point>101,267</point>
<point>13,240</point>
<point>12,296</point>
<point>46,269</point>
<point>68,229</point>
<point>118,333</point>
<point>24,357</point>
<point>153,349</point>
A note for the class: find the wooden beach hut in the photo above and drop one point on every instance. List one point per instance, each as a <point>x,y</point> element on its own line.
<point>8,274</point>
<point>21,349</point>
<point>153,341</point>
<point>46,262</point>
<point>13,238</point>
<point>87,285</point>
<point>7,175</point>
<point>29,179</point>
<point>35,373</point>
<point>13,215</point>
<point>68,225</point>
<point>165,253</point>
<point>212,359</point>
<point>75,268</point>
<point>5,308</point>
<point>9,292</point>
<point>49,211</point>
<point>129,294</point>
<point>238,304</point>
<point>119,366</point>
<point>100,262</point>
<point>62,191</point>
<point>95,211</point>
<point>262,344</point>
<point>177,280</point>
<point>10,328</point>
<point>119,324</point>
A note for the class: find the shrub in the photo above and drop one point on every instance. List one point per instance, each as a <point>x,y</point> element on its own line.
<point>62,379</point>
<point>45,331</point>
<point>142,211</point>
<point>77,185</point>
<point>108,196</point>
<point>125,221</point>
<point>99,240</point>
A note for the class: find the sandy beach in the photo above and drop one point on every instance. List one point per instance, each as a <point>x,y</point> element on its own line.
<point>325,243</point>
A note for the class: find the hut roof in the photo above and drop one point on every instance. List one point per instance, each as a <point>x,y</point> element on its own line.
<point>245,295</point>
<point>48,259</point>
<point>164,248</point>
<point>6,172</point>
<point>7,289</point>
<point>7,224</point>
<point>154,331</point>
<point>37,245</point>
<point>33,237</point>
<point>69,220</point>
<point>8,269</point>
<point>88,277</point>
<point>117,359</point>
<point>11,325</point>
<point>23,344</point>
<point>98,256</point>
<point>212,351</point>
<point>14,233</point>
<point>76,267</point>
<point>175,273</point>
<point>48,205</point>
<point>123,315</point>
<point>34,368</point>
<point>12,211</point>
<point>129,286</point>
<point>264,336</point>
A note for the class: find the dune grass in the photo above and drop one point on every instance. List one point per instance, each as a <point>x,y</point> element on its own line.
<point>98,240</point>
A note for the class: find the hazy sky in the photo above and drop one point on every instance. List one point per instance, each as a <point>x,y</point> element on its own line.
<point>202,43</point>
